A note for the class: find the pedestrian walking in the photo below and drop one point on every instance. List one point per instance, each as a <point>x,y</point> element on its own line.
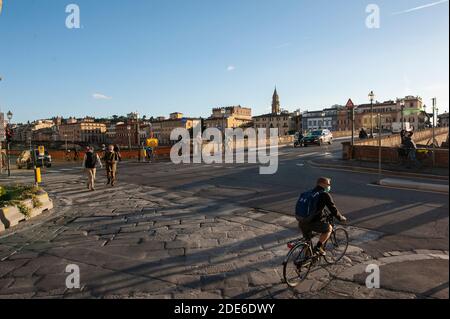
<point>117,150</point>
<point>111,158</point>
<point>90,162</point>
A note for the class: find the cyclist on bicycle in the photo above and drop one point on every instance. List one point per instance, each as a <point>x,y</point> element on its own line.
<point>317,220</point>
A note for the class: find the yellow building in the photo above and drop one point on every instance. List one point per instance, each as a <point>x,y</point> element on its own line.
<point>229,117</point>
<point>162,129</point>
<point>83,132</point>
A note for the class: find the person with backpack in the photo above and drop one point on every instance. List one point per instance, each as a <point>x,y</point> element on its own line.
<point>310,212</point>
<point>90,162</point>
<point>111,158</point>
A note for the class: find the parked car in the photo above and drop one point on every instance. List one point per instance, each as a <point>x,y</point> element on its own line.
<point>25,160</point>
<point>318,137</point>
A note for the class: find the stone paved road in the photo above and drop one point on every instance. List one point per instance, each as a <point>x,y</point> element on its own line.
<point>144,242</point>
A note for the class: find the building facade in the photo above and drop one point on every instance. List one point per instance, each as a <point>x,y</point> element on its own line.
<point>326,119</point>
<point>162,129</point>
<point>86,131</point>
<point>443,120</point>
<point>25,132</point>
<point>229,117</point>
<point>284,121</point>
<point>408,109</point>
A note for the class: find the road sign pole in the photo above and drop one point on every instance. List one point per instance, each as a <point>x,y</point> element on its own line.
<point>434,132</point>
<point>379,147</point>
<point>8,156</point>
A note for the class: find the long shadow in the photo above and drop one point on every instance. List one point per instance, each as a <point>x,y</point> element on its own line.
<point>435,290</point>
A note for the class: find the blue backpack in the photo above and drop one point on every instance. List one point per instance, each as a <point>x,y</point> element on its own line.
<point>307,204</point>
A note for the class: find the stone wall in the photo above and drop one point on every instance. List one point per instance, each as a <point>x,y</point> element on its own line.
<point>390,155</point>
<point>420,137</point>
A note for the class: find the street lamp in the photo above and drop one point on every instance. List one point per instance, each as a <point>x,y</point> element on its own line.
<point>402,106</point>
<point>223,112</point>
<point>9,115</point>
<point>65,137</point>
<point>129,137</point>
<point>371,98</point>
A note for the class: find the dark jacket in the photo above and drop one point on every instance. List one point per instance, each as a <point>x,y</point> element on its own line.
<point>325,201</point>
<point>111,157</point>
<point>409,144</point>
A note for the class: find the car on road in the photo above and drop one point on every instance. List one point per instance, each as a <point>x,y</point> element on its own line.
<point>25,160</point>
<point>318,137</point>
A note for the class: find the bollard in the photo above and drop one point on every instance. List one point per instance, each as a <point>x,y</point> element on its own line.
<point>37,176</point>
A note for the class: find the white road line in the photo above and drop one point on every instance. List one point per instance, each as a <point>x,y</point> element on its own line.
<point>408,189</point>
<point>309,154</point>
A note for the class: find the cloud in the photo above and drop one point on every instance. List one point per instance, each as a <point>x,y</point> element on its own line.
<point>283,45</point>
<point>99,96</point>
<point>231,68</point>
<point>421,7</point>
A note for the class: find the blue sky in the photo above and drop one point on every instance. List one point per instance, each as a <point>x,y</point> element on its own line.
<point>159,56</point>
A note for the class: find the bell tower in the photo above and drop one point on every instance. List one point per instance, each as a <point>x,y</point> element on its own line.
<point>276,108</point>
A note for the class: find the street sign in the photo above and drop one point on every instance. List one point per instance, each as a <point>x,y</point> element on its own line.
<point>350,104</point>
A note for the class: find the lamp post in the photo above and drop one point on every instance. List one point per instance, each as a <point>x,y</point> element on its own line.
<point>129,137</point>
<point>9,115</point>
<point>402,107</point>
<point>223,112</point>
<point>65,137</point>
<point>371,98</point>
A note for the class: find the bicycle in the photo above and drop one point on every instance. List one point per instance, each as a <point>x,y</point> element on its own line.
<point>301,257</point>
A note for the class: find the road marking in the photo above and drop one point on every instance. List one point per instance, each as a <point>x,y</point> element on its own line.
<point>309,154</point>
<point>407,189</point>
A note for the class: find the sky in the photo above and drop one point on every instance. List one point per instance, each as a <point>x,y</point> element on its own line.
<point>189,56</point>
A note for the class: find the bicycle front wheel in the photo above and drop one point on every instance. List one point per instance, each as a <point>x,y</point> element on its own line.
<point>297,265</point>
<point>337,246</point>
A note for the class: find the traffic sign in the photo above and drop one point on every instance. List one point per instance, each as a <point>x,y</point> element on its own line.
<point>41,150</point>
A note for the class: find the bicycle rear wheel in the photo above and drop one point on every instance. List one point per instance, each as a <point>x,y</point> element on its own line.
<point>297,265</point>
<point>337,246</point>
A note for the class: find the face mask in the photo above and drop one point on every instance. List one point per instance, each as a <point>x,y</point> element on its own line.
<point>328,189</point>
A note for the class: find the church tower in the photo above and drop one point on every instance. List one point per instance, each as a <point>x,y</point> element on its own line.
<point>276,108</point>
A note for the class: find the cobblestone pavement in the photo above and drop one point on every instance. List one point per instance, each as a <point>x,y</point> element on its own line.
<point>144,242</point>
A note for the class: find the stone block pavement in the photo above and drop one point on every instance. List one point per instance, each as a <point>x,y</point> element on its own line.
<point>143,242</point>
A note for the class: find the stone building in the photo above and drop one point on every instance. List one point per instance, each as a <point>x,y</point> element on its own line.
<point>161,129</point>
<point>285,122</point>
<point>85,131</point>
<point>229,117</point>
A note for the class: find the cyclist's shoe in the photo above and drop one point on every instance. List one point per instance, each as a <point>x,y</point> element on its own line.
<point>320,251</point>
<point>343,219</point>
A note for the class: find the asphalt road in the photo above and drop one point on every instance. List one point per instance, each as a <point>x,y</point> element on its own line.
<point>406,220</point>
